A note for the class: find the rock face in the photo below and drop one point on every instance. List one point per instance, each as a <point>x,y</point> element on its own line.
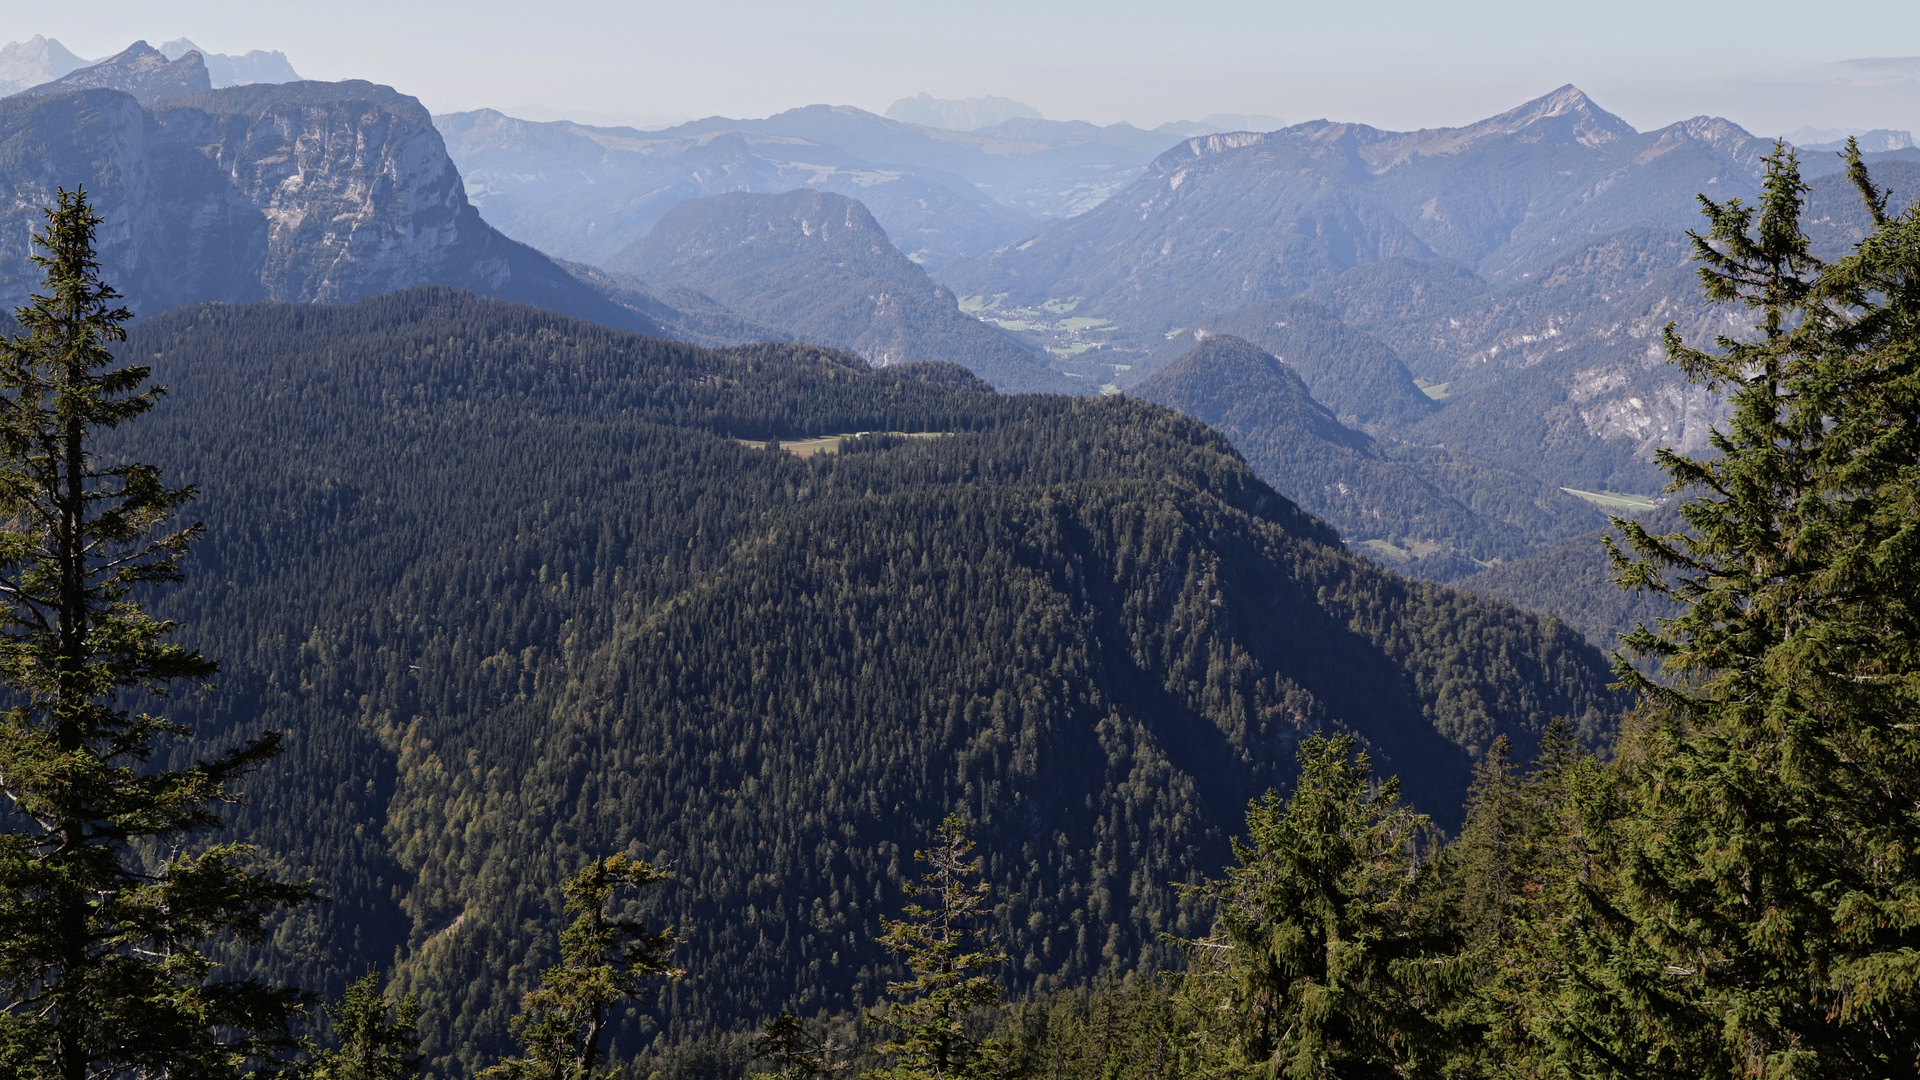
<point>304,191</point>
<point>143,71</point>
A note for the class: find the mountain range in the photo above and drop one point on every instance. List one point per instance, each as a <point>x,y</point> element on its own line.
<point>959,114</point>
<point>583,192</point>
<point>1519,268</point>
<point>736,495</point>
<point>1477,309</point>
<point>40,60</point>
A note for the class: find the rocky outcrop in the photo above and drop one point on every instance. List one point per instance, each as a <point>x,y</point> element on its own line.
<point>175,231</point>
<point>303,191</point>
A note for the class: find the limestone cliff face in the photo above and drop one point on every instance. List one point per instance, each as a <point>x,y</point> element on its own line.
<point>175,233</point>
<point>305,192</point>
<point>355,186</point>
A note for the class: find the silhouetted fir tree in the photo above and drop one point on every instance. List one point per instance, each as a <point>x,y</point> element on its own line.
<point>796,1053</point>
<point>372,1046</point>
<point>946,947</point>
<point>1331,954</point>
<point>102,914</point>
<point>1773,856</point>
<point>604,960</point>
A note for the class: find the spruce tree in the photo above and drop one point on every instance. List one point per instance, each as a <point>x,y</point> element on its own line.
<point>1773,857</point>
<point>107,889</point>
<point>946,947</point>
<point>372,1046</point>
<point>796,1053</point>
<point>604,960</point>
<point>1331,955</point>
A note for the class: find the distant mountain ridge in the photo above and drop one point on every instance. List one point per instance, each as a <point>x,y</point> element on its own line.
<point>254,66</point>
<point>584,193</point>
<point>959,114</point>
<point>818,265</point>
<point>34,61</point>
<point>141,71</point>
<point>1224,221</point>
<point>1515,265</point>
<point>44,65</point>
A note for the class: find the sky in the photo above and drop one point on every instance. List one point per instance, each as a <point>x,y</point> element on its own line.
<point>1770,66</point>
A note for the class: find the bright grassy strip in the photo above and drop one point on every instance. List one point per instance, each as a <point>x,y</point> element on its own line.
<point>1613,498</point>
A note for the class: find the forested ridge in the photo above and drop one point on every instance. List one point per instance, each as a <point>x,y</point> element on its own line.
<point>518,594</point>
<point>1421,509</point>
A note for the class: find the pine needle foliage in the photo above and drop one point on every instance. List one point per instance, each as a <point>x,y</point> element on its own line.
<point>379,1039</point>
<point>947,948</point>
<point>796,1053</point>
<point>100,968</point>
<point>604,960</point>
<point>1773,857</point>
<point>1331,955</point>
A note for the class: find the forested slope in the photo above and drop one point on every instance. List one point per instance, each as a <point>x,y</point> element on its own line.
<point>1354,373</point>
<point>519,595</point>
<point>1424,509</point>
<point>1574,581</point>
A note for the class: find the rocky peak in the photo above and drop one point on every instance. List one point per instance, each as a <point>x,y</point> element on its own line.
<point>302,191</point>
<point>32,62</point>
<point>1725,139</point>
<point>1566,115</point>
<point>1568,111</point>
<point>256,66</point>
<point>141,70</point>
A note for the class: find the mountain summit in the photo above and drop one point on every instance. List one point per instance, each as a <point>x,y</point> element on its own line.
<point>34,61</point>
<point>141,70</point>
<point>1566,116</point>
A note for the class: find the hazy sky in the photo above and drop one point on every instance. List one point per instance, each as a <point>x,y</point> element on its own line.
<point>1768,65</point>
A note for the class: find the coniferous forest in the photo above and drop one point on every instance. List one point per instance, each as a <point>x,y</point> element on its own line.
<point>438,685</point>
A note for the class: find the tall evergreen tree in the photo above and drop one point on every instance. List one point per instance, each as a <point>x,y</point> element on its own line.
<point>604,960</point>
<point>372,1046</point>
<point>945,946</point>
<point>1774,853</point>
<point>101,912</point>
<point>1331,954</point>
<point>796,1053</point>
